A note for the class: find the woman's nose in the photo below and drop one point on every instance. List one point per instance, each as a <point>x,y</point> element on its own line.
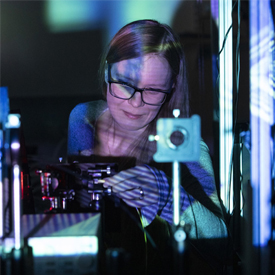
<point>136,100</point>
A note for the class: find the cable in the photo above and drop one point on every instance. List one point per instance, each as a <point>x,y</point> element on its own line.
<point>235,108</point>
<point>237,76</point>
<point>219,53</point>
<point>197,235</point>
<point>145,240</point>
<point>143,229</point>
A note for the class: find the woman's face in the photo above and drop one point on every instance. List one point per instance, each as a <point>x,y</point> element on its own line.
<point>149,71</point>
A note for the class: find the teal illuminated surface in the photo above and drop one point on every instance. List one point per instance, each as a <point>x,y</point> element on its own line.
<point>63,16</point>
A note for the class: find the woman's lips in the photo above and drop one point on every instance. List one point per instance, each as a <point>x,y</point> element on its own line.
<point>132,116</point>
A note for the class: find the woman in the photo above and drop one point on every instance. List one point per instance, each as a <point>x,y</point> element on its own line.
<point>143,79</point>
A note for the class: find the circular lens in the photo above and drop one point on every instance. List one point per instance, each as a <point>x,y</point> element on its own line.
<point>177,138</point>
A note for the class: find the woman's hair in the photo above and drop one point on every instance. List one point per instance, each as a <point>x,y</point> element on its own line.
<point>143,37</point>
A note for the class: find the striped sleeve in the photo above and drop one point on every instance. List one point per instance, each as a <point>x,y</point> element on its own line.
<point>197,188</point>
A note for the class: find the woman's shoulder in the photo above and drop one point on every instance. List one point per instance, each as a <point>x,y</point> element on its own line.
<point>89,110</point>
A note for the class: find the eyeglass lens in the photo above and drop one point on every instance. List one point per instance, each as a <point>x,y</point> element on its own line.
<point>125,92</point>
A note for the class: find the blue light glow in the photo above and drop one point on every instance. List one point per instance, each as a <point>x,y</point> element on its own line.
<point>226,103</point>
<point>15,145</point>
<point>176,192</point>
<point>215,9</point>
<point>13,121</point>
<point>17,207</point>
<point>261,109</point>
<point>1,199</point>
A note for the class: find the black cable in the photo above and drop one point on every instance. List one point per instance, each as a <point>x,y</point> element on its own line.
<point>193,213</point>
<point>123,207</point>
<point>198,251</point>
<point>113,197</point>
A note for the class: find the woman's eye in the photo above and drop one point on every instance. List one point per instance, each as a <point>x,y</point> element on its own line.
<point>126,88</point>
<point>149,92</point>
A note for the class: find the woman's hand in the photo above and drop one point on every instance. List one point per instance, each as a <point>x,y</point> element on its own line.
<point>137,186</point>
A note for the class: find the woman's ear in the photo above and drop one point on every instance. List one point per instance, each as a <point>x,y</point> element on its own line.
<point>173,84</point>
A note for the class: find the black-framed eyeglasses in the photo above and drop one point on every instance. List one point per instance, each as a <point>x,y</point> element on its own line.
<point>126,91</point>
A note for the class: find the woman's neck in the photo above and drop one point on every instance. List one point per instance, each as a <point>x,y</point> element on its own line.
<point>113,139</point>
<point>120,140</point>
